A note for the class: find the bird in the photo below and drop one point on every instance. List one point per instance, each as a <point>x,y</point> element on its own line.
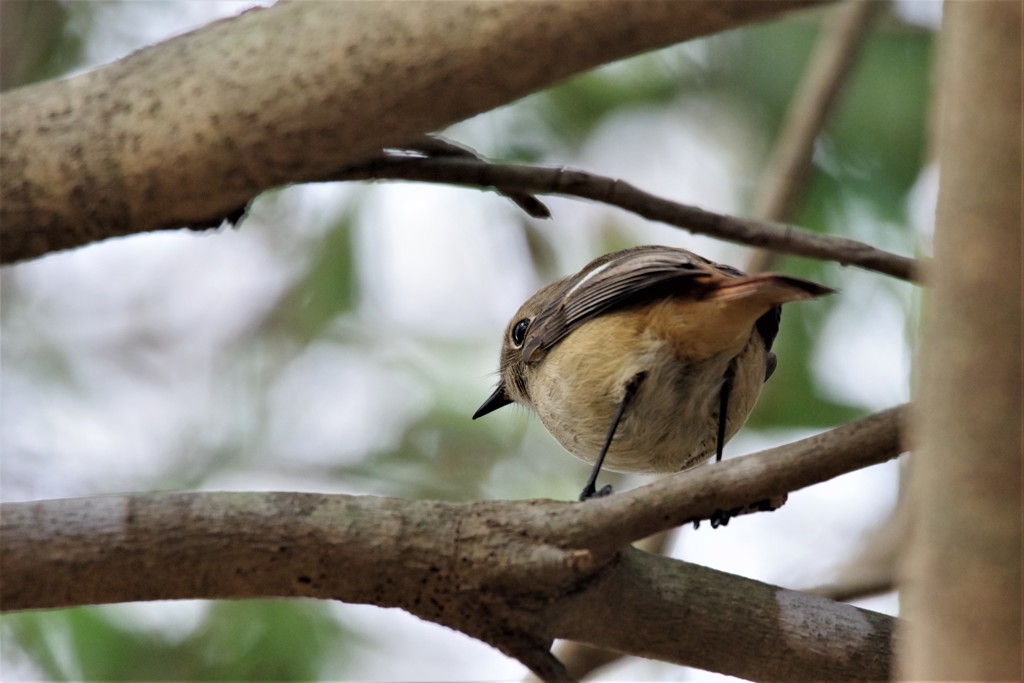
<point>647,360</point>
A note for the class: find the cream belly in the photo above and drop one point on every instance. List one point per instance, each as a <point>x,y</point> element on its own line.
<point>672,422</point>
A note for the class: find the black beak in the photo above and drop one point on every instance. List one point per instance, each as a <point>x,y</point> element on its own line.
<point>499,399</point>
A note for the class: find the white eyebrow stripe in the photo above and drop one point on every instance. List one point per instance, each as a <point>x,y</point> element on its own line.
<point>589,275</point>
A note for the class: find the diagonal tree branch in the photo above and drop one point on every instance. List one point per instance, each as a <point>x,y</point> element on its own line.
<point>512,178</point>
<point>515,574</point>
<point>185,133</point>
<point>789,636</point>
<point>738,482</point>
<point>785,175</point>
<point>582,660</point>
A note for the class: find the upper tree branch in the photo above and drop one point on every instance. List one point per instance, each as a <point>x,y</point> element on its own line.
<point>515,574</point>
<point>187,132</point>
<point>511,178</point>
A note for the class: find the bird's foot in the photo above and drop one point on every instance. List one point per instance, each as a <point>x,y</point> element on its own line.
<point>590,492</point>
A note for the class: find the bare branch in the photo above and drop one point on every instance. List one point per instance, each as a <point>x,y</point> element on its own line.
<point>780,237</point>
<point>784,176</point>
<point>740,482</point>
<point>864,585</point>
<point>582,660</point>
<point>873,570</point>
<point>788,635</point>
<point>437,146</point>
<point>187,132</point>
<point>515,574</point>
<point>458,565</point>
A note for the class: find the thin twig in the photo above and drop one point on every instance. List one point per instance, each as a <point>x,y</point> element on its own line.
<point>873,570</point>
<point>863,586</point>
<point>785,238</point>
<point>436,146</point>
<point>786,172</point>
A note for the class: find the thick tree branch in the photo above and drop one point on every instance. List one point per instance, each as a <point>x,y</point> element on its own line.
<point>962,568</point>
<point>518,178</point>
<point>187,132</point>
<point>582,660</point>
<point>787,633</point>
<point>515,574</point>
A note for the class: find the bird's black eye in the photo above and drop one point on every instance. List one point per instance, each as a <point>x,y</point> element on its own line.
<point>519,332</point>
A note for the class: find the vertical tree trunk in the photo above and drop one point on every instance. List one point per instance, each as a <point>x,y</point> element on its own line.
<point>962,576</point>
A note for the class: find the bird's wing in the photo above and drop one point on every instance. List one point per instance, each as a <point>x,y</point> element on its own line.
<point>620,279</point>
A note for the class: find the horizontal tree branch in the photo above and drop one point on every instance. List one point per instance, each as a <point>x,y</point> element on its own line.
<point>515,574</point>
<point>518,178</point>
<point>185,133</point>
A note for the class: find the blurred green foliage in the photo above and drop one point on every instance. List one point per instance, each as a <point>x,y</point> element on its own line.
<point>39,39</point>
<point>574,109</point>
<point>329,286</point>
<point>256,640</point>
<point>871,152</point>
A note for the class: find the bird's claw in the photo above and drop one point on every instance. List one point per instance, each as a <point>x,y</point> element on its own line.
<point>591,492</point>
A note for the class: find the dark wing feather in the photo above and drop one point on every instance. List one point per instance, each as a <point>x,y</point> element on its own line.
<point>768,325</point>
<point>613,281</point>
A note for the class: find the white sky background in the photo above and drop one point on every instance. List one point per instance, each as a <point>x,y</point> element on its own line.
<point>142,350</point>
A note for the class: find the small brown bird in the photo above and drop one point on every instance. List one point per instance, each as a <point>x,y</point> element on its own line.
<point>647,360</point>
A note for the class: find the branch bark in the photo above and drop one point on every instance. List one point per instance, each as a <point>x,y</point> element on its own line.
<point>788,634</point>
<point>187,132</point>
<point>515,574</point>
<point>962,574</point>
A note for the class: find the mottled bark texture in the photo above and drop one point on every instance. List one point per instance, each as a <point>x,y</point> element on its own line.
<point>186,132</point>
<point>515,574</point>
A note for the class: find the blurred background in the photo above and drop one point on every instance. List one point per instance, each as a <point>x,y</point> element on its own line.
<point>341,338</point>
